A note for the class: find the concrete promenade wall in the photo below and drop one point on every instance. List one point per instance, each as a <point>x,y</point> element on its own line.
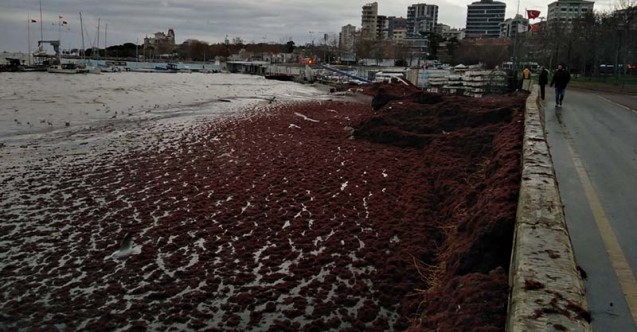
<point>547,293</point>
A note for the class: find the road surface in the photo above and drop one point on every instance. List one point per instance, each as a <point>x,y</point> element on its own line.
<point>593,143</point>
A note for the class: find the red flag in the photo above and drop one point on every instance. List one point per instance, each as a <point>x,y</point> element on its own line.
<point>33,21</point>
<point>531,14</point>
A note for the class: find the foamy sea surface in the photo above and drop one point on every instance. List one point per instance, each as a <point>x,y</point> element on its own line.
<point>44,114</point>
<point>51,123</point>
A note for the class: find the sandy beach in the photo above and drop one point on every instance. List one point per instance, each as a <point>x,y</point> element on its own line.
<point>292,215</point>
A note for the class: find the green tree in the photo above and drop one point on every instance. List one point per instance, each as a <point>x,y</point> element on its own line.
<point>289,47</point>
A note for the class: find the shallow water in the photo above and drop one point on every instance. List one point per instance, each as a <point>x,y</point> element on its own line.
<point>44,116</point>
<point>32,103</point>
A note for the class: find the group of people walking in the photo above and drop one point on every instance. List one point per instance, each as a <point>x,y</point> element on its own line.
<point>560,80</point>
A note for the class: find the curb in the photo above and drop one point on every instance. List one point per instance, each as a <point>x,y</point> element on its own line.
<point>547,292</point>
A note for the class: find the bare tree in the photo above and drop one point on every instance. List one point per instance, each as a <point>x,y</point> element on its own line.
<point>626,20</point>
<point>238,41</point>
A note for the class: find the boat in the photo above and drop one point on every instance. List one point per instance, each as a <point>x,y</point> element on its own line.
<point>41,59</point>
<point>67,68</point>
<point>142,70</point>
<point>87,65</point>
<point>279,77</point>
<point>172,68</point>
<point>12,64</point>
<point>113,66</point>
<point>208,71</point>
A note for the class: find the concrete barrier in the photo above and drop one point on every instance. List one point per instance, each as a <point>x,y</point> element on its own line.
<point>547,292</point>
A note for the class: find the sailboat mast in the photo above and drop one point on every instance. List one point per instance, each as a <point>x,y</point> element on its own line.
<point>82,30</point>
<point>29,37</point>
<point>98,37</point>
<point>41,28</point>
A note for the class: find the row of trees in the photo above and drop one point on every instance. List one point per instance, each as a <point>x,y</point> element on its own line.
<point>592,41</point>
<point>592,45</point>
<point>194,50</point>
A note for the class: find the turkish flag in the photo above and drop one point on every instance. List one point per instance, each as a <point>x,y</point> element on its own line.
<point>531,14</point>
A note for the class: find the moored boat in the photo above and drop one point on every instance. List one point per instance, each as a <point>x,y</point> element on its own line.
<point>12,65</point>
<point>279,77</point>
<point>67,68</point>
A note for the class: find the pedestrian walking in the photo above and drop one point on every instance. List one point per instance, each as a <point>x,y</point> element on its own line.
<point>543,80</point>
<point>560,80</point>
<point>526,79</point>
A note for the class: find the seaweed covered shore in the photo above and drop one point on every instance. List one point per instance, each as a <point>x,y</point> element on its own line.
<point>303,216</point>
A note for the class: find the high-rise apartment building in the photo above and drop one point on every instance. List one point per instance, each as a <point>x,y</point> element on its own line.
<point>421,18</point>
<point>565,11</point>
<point>347,37</point>
<point>484,18</point>
<point>396,23</point>
<point>382,27</point>
<point>369,21</point>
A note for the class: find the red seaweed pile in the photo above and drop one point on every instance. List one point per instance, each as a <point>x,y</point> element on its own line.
<point>308,216</point>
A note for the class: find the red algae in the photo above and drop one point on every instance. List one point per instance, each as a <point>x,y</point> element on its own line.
<point>306,216</point>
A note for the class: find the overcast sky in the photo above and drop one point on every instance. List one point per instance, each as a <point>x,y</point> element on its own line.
<point>210,20</point>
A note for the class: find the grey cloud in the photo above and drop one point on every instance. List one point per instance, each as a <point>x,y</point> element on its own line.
<point>210,20</point>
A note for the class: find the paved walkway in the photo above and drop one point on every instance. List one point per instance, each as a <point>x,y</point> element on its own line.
<point>593,143</point>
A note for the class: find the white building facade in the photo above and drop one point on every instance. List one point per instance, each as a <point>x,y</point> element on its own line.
<point>565,11</point>
<point>347,37</point>
<point>512,26</point>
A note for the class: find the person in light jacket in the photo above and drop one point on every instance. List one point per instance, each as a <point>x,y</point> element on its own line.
<point>526,79</point>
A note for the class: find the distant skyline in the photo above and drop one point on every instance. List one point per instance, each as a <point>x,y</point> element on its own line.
<point>211,20</point>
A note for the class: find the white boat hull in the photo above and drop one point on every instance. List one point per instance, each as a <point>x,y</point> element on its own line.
<point>66,69</point>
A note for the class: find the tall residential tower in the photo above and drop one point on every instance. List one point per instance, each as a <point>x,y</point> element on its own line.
<point>369,25</point>
<point>421,18</point>
<point>565,11</point>
<point>484,18</point>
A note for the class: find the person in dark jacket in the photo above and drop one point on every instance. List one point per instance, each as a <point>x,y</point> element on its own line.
<point>560,80</point>
<point>543,80</point>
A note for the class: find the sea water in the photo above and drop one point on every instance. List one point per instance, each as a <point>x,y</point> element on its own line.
<point>42,103</point>
<point>43,113</point>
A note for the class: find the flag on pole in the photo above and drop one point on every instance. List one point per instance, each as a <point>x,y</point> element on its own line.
<point>531,14</point>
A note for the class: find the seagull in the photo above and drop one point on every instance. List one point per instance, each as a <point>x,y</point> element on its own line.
<point>125,249</point>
